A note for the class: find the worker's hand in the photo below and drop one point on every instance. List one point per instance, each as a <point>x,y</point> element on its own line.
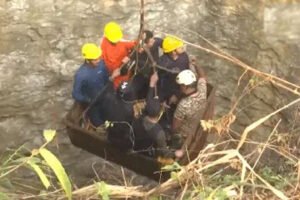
<point>153,79</point>
<point>141,50</point>
<point>115,73</point>
<point>165,161</point>
<point>173,99</point>
<point>165,105</point>
<point>125,59</point>
<point>193,59</point>
<point>178,153</point>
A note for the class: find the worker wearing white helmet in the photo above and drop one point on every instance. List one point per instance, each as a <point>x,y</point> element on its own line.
<point>190,107</point>
<point>186,78</point>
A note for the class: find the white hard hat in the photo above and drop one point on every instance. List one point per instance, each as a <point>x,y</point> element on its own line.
<point>186,77</point>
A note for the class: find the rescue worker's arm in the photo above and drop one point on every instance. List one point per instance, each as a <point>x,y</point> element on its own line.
<point>165,156</point>
<point>200,72</point>
<point>181,151</point>
<point>125,60</point>
<point>152,85</point>
<point>161,145</point>
<point>201,85</point>
<point>150,94</point>
<point>173,99</point>
<point>79,84</point>
<point>129,45</point>
<point>115,74</point>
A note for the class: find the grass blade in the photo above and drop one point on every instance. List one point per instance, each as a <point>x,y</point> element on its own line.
<point>49,134</point>
<point>103,191</point>
<point>40,173</point>
<point>59,171</point>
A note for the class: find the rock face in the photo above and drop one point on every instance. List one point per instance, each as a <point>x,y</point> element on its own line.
<point>40,51</point>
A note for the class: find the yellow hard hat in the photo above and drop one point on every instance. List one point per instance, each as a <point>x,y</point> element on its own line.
<point>90,51</point>
<point>113,32</point>
<point>171,43</point>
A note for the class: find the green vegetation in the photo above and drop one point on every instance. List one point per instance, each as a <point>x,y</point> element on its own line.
<point>103,191</point>
<point>39,159</point>
<point>214,175</point>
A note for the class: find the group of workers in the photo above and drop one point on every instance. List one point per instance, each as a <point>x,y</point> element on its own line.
<point>118,74</point>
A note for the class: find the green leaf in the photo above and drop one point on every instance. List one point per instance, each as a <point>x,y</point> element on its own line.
<point>59,171</point>
<point>40,173</point>
<point>103,190</point>
<point>3,196</point>
<point>174,166</point>
<point>49,134</point>
<point>174,175</point>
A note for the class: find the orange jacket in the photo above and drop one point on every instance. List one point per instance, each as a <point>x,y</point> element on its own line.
<point>113,54</point>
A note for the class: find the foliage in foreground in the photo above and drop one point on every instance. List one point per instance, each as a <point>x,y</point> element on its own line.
<point>213,175</point>
<point>40,161</point>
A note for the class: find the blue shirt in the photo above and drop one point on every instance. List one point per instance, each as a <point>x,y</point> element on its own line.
<point>88,82</point>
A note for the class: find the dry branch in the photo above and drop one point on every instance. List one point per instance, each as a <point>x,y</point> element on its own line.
<point>207,159</point>
<point>114,191</point>
<point>262,120</point>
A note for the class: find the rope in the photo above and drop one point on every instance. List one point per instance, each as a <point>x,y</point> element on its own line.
<point>140,36</point>
<point>131,132</point>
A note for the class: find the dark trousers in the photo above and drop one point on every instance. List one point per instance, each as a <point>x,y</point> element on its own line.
<point>94,115</point>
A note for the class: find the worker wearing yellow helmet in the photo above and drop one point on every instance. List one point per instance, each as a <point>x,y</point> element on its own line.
<point>89,79</point>
<point>113,32</point>
<point>90,52</point>
<point>176,59</point>
<point>171,43</point>
<point>115,51</point>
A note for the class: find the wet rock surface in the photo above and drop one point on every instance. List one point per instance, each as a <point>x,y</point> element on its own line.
<point>40,51</point>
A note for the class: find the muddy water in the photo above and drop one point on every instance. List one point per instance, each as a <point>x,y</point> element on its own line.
<point>40,51</point>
